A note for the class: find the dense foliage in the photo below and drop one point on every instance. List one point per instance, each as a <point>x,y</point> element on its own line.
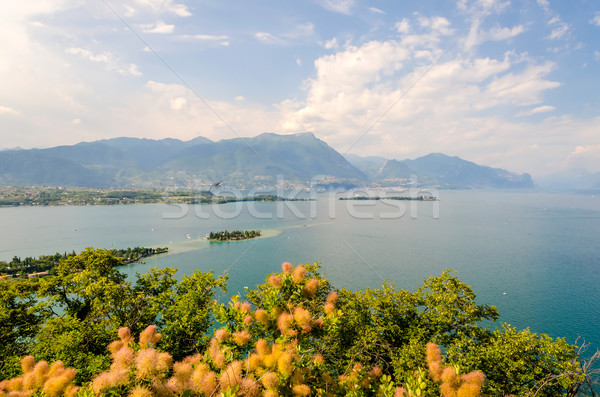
<point>293,335</point>
<point>46,263</point>
<point>226,235</point>
<point>29,265</point>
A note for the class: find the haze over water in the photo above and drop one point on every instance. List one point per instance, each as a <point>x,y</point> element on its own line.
<point>536,256</point>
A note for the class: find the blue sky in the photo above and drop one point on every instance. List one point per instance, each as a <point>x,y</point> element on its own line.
<point>506,84</point>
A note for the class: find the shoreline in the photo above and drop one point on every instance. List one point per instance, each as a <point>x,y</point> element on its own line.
<point>14,196</point>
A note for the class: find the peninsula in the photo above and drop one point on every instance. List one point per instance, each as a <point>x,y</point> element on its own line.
<point>44,265</point>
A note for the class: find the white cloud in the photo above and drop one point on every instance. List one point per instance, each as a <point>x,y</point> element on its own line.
<point>581,149</point>
<point>338,90</point>
<point>240,98</point>
<point>269,38</point>
<point>105,57</point>
<point>132,70</point>
<point>520,89</point>
<point>205,37</point>
<point>376,10</point>
<point>502,33</point>
<point>159,27</point>
<point>559,31</point>
<point>178,103</point>
<point>597,55</point>
<point>341,6</point>
<point>297,32</point>
<point>129,11</point>
<point>536,110</point>
<point>302,30</point>
<point>222,40</point>
<point>155,114</point>
<point>438,25</point>
<point>331,44</point>
<point>76,121</point>
<point>478,7</point>
<point>596,20</point>
<point>165,6</point>
<point>8,111</point>
<point>403,26</point>
<point>496,33</point>
<point>415,111</point>
<point>584,156</point>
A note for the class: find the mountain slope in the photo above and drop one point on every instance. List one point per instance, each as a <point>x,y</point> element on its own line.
<point>437,169</point>
<point>458,172</point>
<point>298,157</point>
<point>36,167</point>
<point>133,162</point>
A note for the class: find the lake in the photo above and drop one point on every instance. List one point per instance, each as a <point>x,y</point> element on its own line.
<point>534,255</point>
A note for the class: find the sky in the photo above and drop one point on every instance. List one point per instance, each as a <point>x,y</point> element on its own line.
<point>510,84</point>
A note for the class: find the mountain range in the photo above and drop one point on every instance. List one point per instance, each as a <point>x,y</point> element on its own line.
<point>262,161</point>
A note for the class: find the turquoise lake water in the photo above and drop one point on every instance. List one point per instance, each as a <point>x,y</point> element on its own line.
<point>536,256</point>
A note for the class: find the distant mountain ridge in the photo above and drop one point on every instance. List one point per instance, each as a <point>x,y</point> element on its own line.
<point>261,161</point>
<point>571,179</point>
<point>439,170</point>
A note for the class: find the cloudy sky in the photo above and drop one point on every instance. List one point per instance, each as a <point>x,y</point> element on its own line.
<point>512,84</point>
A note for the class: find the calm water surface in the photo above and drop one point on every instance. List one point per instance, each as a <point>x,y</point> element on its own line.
<point>534,255</point>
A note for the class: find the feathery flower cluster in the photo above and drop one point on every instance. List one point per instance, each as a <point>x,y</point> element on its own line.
<point>330,303</point>
<point>310,288</point>
<point>130,369</point>
<point>276,282</point>
<point>287,268</point>
<point>453,385</point>
<point>54,380</point>
<point>299,274</point>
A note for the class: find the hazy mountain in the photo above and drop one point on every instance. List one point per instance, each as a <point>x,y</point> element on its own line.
<point>454,171</point>
<point>34,167</point>
<point>437,169</point>
<point>571,179</point>
<point>133,162</point>
<point>299,157</point>
<point>369,165</point>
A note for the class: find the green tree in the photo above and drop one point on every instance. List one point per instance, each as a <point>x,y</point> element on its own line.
<point>186,320</point>
<point>91,299</point>
<point>20,318</point>
<point>520,362</point>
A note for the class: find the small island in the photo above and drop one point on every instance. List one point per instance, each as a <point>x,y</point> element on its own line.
<point>235,235</point>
